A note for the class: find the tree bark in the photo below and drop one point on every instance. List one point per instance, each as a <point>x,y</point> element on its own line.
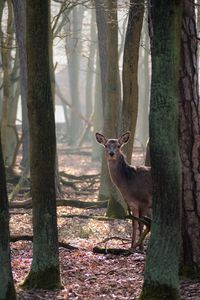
<point>142,126</point>
<point>161,279</point>
<point>9,106</point>
<point>89,94</point>
<point>72,46</point>
<point>106,11</point>
<point>101,19</point>
<point>130,73</point>
<point>189,140</point>
<point>20,29</point>
<point>98,112</point>
<point>44,272</point>
<point>7,289</point>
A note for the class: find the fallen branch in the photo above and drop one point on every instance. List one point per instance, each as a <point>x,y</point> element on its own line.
<point>26,204</point>
<point>79,177</point>
<point>16,238</point>
<point>143,220</point>
<point>117,251</point>
<point>68,183</point>
<point>21,204</point>
<point>98,218</point>
<point>114,251</point>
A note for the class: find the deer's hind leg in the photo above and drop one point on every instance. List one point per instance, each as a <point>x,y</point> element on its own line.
<point>141,228</point>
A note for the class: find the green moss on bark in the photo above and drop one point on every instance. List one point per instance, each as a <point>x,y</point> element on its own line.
<point>161,292</point>
<point>46,279</point>
<point>44,271</point>
<point>115,209</point>
<point>10,294</point>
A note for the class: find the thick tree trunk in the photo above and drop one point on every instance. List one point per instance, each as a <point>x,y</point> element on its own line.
<point>189,128</point>
<point>162,265</point>
<point>130,73</point>
<point>44,271</point>
<point>7,289</point>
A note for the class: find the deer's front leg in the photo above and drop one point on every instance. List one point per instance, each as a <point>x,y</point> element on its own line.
<point>135,213</point>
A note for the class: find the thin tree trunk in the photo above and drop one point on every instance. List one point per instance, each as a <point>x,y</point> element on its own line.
<point>111,98</point>
<point>130,73</point>
<point>98,112</point>
<point>7,289</point>
<point>20,29</point>
<point>101,19</point>
<point>74,66</point>
<point>90,68</point>
<point>142,126</point>
<point>7,134</point>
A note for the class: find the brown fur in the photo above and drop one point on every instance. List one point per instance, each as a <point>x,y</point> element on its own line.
<point>133,182</point>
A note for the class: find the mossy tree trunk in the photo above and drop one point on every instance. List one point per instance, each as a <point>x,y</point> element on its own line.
<point>130,73</point>
<point>107,24</point>
<point>44,272</point>
<point>189,140</point>
<point>7,289</point>
<point>161,279</point>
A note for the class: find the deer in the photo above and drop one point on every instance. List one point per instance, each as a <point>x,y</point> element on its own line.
<point>133,182</point>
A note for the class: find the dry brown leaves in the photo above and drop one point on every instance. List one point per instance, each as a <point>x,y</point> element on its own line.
<point>86,275</point>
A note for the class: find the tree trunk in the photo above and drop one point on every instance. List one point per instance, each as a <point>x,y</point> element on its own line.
<point>189,128</point>
<point>161,279</point>
<point>111,98</point>
<point>74,67</point>
<point>98,112</point>
<point>7,288</point>
<point>44,271</point>
<point>20,29</point>
<point>90,68</point>
<point>142,126</point>
<point>101,19</point>
<point>9,107</point>
<point>130,73</point>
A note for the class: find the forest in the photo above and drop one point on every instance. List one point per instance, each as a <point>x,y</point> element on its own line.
<point>99,149</point>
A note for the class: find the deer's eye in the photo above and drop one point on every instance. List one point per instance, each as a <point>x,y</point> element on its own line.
<point>118,146</point>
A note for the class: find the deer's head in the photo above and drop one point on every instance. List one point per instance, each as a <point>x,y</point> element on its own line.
<point>112,146</point>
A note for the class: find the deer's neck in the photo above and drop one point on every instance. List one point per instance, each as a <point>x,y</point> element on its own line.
<point>119,169</point>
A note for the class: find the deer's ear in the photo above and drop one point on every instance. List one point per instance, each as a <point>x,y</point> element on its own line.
<point>101,139</point>
<point>124,138</point>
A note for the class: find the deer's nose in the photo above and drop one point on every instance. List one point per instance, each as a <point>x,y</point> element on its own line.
<point>111,153</point>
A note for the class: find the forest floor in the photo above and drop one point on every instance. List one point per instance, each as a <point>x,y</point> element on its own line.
<point>86,275</point>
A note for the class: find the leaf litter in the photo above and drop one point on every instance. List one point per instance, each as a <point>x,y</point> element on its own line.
<point>85,275</point>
